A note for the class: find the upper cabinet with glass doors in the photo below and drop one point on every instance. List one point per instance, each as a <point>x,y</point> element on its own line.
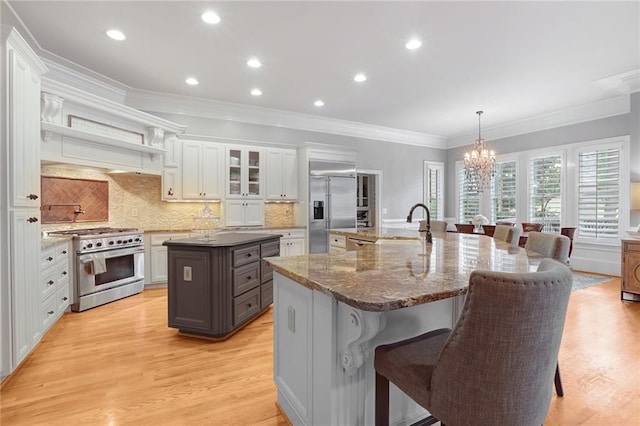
<point>244,179</point>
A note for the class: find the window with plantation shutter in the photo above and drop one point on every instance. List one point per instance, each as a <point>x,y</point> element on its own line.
<point>545,198</point>
<point>468,199</point>
<point>504,193</point>
<point>434,189</point>
<point>599,193</point>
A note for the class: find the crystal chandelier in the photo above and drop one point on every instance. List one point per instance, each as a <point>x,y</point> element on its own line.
<point>479,164</point>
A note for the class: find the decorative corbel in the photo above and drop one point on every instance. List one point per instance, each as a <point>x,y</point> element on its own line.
<point>155,137</point>
<point>51,108</point>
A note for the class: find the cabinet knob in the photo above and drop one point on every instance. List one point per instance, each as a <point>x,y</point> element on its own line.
<point>204,194</point>
<point>64,252</point>
<point>49,258</point>
<point>49,282</point>
<point>64,299</point>
<point>249,305</point>
<point>249,277</point>
<point>32,219</point>
<point>50,312</point>
<point>248,254</point>
<point>32,196</point>
<point>64,272</point>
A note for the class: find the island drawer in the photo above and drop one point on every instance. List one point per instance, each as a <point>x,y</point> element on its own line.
<point>270,249</point>
<point>339,241</point>
<point>246,306</point>
<point>246,255</point>
<point>266,294</point>
<point>246,278</point>
<point>267,272</point>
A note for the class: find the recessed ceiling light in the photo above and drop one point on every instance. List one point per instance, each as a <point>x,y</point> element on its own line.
<point>318,103</point>
<point>256,92</point>
<point>413,44</point>
<point>191,81</point>
<point>211,17</point>
<point>116,35</point>
<point>254,63</point>
<point>360,78</point>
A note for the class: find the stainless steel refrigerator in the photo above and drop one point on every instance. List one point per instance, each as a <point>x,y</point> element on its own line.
<point>332,201</point>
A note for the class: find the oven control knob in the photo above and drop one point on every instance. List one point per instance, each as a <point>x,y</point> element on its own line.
<point>89,245</point>
<point>98,244</point>
<point>110,243</point>
<point>137,239</point>
<point>130,240</point>
<point>119,241</point>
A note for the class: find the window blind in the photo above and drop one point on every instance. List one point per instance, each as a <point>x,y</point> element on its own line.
<point>434,190</point>
<point>468,199</point>
<point>504,193</point>
<point>599,193</point>
<point>545,201</point>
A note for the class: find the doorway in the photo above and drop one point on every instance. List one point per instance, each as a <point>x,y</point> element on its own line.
<point>368,198</point>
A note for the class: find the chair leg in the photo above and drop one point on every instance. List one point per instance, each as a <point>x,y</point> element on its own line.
<point>382,400</point>
<point>558,381</point>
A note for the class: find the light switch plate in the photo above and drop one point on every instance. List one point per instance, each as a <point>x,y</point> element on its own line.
<point>187,274</point>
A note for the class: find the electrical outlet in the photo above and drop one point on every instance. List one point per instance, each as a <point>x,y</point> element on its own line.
<point>187,274</point>
<point>384,210</point>
<point>291,319</point>
<point>134,212</point>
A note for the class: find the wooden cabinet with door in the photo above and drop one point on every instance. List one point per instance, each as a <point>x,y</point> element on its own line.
<point>201,170</point>
<point>630,269</point>
<point>244,178</point>
<point>282,174</point>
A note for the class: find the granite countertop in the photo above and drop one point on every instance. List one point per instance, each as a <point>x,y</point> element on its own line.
<point>374,234</point>
<point>383,277</point>
<point>231,228</point>
<point>221,240</point>
<point>47,242</point>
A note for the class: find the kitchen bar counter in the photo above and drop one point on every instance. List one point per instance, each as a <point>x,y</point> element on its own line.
<point>331,311</point>
<point>374,234</point>
<point>231,229</point>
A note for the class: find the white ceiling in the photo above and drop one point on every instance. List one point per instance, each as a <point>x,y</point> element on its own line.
<point>514,60</point>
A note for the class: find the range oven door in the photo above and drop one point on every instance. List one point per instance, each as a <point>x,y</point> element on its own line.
<point>121,267</point>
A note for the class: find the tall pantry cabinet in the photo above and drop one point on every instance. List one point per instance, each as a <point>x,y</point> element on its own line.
<point>20,183</point>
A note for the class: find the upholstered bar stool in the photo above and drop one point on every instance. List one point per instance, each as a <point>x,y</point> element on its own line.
<point>438,226</point>
<point>507,233</point>
<point>496,367</point>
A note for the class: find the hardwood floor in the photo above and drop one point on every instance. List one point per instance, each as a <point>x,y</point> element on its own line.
<point>120,364</point>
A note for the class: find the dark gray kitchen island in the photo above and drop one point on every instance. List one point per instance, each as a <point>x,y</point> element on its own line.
<point>217,286</point>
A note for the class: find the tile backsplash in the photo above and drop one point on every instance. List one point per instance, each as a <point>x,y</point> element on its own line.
<point>134,201</point>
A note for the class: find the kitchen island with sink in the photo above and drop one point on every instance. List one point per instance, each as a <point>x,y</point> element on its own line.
<point>217,286</point>
<point>331,311</point>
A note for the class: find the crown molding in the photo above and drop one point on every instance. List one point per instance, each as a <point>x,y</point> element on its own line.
<point>12,36</point>
<point>198,107</point>
<point>79,96</point>
<point>82,80</point>
<point>597,110</point>
<point>625,83</point>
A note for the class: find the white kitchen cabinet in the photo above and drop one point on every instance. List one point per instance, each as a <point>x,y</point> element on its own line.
<point>156,255</point>
<point>291,246</point>
<point>55,278</point>
<point>244,177</point>
<point>171,188</point>
<point>202,170</point>
<point>244,212</point>
<point>282,174</point>
<point>25,300</point>
<point>20,167</point>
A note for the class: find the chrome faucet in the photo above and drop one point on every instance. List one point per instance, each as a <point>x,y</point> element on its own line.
<point>428,235</point>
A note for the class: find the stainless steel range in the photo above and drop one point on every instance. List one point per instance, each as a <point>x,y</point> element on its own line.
<point>109,265</point>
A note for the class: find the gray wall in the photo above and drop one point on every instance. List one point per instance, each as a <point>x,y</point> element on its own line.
<point>401,165</point>
<point>591,130</point>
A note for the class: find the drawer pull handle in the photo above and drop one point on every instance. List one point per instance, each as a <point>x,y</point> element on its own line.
<point>32,196</point>
<point>50,312</point>
<point>64,252</point>
<point>64,299</point>
<point>50,282</point>
<point>249,277</point>
<point>64,272</point>
<point>248,254</point>
<point>49,258</point>
<point>249,305</point>
<point>32,219</point>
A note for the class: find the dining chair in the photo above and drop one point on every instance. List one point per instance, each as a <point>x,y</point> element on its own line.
<point>532,227</point>
<point>465,228</point>
<point>496,367</point>
<point>569,232</point>
<point>438,226</point>
<point>508,234</point>
<point>553,246</point>
<point>489,230</point>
